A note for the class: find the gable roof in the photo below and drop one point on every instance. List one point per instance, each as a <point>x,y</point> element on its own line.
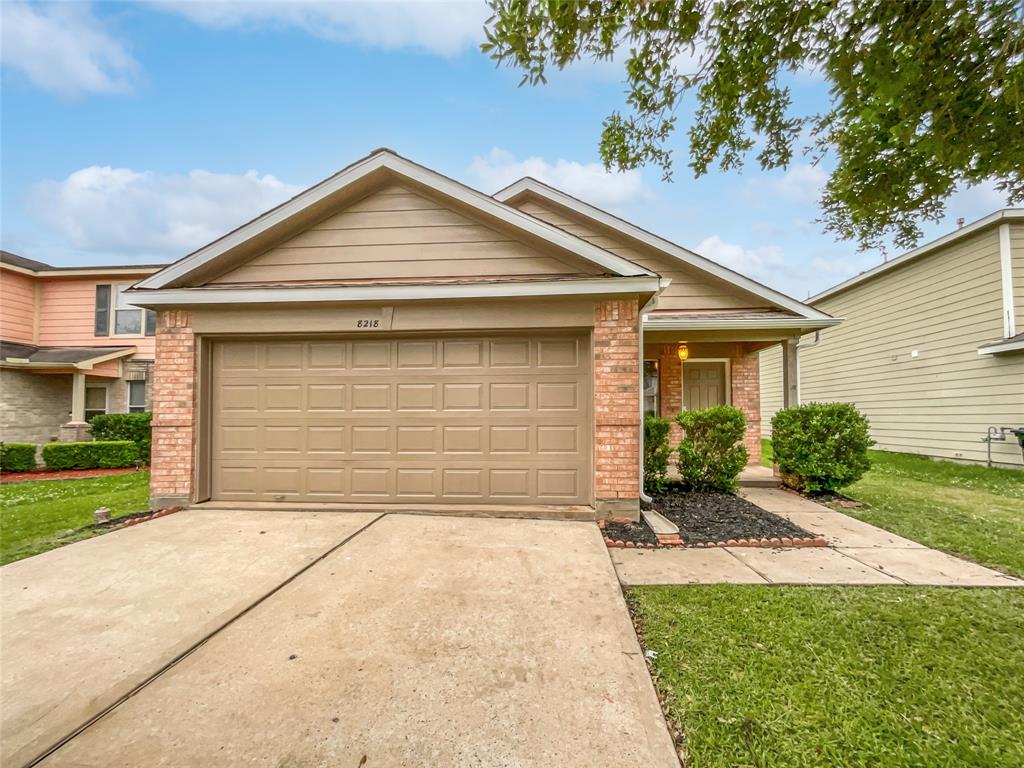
<point>379,163</point>
<point>529,185</point>
<point>42,269</point>
<point>999,217</point>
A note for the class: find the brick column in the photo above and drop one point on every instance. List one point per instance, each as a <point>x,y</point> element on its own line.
<point>174,390</point>
<point>746,395</point>
<point>670,371</point>
<point>617,407</point>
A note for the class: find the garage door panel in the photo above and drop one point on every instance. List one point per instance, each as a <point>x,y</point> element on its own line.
<point>459,420</point>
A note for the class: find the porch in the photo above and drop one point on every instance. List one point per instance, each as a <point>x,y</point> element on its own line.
<point>698,360</point>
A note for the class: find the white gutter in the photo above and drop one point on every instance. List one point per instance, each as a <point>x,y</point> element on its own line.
<point>648,307</point>
<point>303,294</point>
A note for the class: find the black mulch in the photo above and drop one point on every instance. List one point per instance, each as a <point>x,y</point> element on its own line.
<point>638,533</point>
<point>712,516</point>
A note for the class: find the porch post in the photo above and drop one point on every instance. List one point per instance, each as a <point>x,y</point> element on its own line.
<point>78,398</point>
<point>789,374</point>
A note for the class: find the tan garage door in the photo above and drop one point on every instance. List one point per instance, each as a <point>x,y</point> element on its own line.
<point>415,420</point>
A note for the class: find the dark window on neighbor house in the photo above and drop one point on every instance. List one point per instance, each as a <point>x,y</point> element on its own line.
<point>102,320</point>
<point>121,319</point>
<point>136,396</point>
<point>95,400</point>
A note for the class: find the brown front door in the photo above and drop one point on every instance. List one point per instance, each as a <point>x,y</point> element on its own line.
<point>703,385</point>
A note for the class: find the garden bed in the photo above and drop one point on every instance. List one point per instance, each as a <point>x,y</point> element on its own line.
<point>622,532</point>
<point>42,473</point>
<point>708,518</point>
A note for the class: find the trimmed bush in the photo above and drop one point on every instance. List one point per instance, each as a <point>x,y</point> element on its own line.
<point>656,453</point>
<point>125,426</point>
<point>17,457</point>
<point>712,454</point>
<point>91,455</point>
<point>821,446</point>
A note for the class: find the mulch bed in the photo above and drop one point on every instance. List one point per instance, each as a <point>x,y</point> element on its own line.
<point>630,534</point>
<point>714,518</point>
<point>60,474</point>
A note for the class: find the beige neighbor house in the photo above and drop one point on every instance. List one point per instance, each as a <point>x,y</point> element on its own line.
<point>391,337</point>
<point>931,348</point>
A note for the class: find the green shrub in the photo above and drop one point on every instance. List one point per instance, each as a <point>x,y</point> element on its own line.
<point>712,454</point>
<point>125,426</point>
<point>656,453</point>
<point>821,446</point>
<point>108,453</point>
<point>17,457</point>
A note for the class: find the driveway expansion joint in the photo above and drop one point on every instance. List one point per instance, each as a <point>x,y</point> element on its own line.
<point>198,644</point>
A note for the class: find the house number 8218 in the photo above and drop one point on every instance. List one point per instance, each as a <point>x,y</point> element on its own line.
<point>367,323</point>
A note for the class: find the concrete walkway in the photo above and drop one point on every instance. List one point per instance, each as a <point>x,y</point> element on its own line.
<point>420,640</point>
<point>858,553</point>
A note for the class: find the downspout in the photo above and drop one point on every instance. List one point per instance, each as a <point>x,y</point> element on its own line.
<point>650,305</point>
<point>801,345</point>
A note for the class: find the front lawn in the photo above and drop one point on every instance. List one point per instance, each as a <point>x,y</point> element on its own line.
<point>967,510</point>
<point>839,676</point>
<point>43,514</point>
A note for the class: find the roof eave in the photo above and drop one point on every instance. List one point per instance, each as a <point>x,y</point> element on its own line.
<point>793,324</point>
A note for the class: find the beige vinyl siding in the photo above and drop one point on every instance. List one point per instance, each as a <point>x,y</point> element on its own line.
<point>1017,265</point>
<point>396,234</point>
<point>770,365</point>
<point>690,288</point>
<point>941,401</point>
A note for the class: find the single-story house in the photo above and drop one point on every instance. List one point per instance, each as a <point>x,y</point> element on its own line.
<point>392,337</point>
<point>71,347</point>
<point>931,348</point>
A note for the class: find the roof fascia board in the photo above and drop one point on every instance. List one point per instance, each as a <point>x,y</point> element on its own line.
<point>92,361</point>
<point>1004,216</point>
<point>49,274</point>
<point>796,323</point>
<point>278,295</point>
<point>415,173</point>
<point>660,244</point>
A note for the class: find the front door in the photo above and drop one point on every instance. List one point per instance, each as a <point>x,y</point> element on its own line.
<point>703,384</point>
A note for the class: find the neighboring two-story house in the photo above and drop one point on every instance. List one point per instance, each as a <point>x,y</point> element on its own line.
<point>931,347</point>
<point>71,347</point>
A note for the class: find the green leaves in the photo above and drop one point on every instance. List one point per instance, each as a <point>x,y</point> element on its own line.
<point>925,95</point>
<point>711,454</point>
<point>821,446</point>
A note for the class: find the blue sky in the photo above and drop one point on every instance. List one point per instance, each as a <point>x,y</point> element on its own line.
<point>138,132</point>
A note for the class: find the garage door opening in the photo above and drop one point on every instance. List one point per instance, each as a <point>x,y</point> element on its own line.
<point>454,420</point>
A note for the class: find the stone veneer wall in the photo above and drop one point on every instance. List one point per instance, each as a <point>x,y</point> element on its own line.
<point>173,393</point>
<point>33,405</point>
<point>617,407</point>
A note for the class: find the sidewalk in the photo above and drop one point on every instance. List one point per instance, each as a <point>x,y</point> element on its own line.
<point>858,553</point>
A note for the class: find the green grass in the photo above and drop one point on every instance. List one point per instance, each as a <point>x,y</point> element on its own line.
<point>967,510</point>
<point>839,676</point>
<point>43,514</point>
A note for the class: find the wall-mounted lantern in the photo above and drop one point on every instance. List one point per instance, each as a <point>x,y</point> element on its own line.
<point>683,351</point>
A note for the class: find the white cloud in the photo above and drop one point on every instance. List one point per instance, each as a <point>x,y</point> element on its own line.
<point>443,28</point>
<point>141,213</point>
<point>63,48</point>
<point>587,181</point>
<point>801,183</point>
<point>762,263</point>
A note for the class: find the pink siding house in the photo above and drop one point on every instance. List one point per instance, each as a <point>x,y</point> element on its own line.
<point>71,347</point>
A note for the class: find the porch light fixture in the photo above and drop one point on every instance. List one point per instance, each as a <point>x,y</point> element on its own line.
<point>683,351</point>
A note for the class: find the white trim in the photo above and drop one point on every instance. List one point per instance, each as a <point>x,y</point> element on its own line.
<point>1006,275</point>
<point>56,272</point>
<point>998,347</point>
<point>728,376</point>
<point>105,386</point>
<point>1005,215</point>
<point>128,394</point>
<point>86,365</point>
<point>386,159</point>
<point>302,294</point>
<point>81,365</point>
<point>660,244</point>
<point>795,323</point>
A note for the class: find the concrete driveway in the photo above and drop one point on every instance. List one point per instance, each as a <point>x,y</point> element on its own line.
<point>328,639</point>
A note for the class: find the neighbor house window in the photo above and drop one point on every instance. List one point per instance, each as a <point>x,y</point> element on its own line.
<point>650,387</point>
<point>115,316</point>
<point>136,396</point>
<point>95,400</point>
